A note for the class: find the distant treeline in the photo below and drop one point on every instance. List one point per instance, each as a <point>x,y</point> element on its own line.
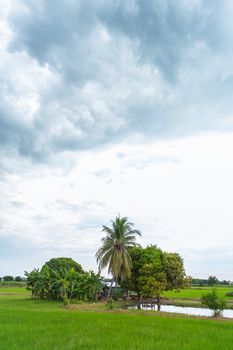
<point>211,281</point>
<point>12,279</point>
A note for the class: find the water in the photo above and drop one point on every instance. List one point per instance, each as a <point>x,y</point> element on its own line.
<point>196,311</point>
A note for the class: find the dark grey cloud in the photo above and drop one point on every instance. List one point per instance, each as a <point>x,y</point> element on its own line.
<point>113,70</point>
<point>163,30</point>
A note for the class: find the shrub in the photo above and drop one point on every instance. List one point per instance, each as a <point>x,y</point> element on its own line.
<point>214,302</point>
<point>229,294</point>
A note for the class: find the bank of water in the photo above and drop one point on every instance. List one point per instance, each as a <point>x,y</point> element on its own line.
<point>195,311</point>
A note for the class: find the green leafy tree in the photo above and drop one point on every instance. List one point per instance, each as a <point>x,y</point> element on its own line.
<point>152,282</point>
<point>140,257</point>
<point>8,278</point>
<point>154,271</point>
<point>18,279</point>
<point>114,252</point>
<point>63,263</point>
<point>214,302</point>
<point>173,267</point>
<point>212,280</point>
<point>226,283</point>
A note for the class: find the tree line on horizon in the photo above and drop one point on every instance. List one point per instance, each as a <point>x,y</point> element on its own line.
<point>210,281</point>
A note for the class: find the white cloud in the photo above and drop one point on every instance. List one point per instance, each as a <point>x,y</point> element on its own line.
<point>110,107</point>
<point>181,205</point>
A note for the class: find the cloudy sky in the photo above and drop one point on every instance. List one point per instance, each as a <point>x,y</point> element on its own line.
<point>116,106</point>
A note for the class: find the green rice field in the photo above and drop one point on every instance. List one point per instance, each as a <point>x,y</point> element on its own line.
<point>41,325</point>
<point>197,292</point>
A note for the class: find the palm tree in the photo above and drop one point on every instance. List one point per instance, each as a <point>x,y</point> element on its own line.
<point>114,252</point>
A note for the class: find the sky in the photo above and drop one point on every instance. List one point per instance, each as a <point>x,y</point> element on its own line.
<point>114,107</point>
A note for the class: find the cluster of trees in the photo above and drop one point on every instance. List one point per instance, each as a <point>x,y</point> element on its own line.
<point>154,271</point>
<point>147,271</point>
<point>211,281</point>
<point>63,278</point>
<point>12,279</point>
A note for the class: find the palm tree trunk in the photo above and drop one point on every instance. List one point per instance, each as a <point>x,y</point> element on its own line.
<point>115,292</point>
<point>158,303</point>
<point>139,301</point>
<point>110,290</point>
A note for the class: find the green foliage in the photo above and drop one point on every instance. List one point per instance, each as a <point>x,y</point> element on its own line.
<point>8,278</point>
<point>154,272</point>
<point>114,252</point>
<point>173,267</point>
<point>229,294</point>
<point>152,282</point>
<point>141,257</point>
<point>212,280</point>
<point>59,264</point>
<point>214,302</point>
<point>18,279</point>
<point>64,284</point>
<point>203,282</point>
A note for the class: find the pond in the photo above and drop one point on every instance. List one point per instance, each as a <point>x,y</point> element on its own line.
<point>196,311</point>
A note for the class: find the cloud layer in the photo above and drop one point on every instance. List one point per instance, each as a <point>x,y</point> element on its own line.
<point>97,101</point>
<point>76,75</point>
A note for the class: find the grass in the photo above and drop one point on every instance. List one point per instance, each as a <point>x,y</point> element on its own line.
<point>27,324</point>
<point>4,284</point>
<point>12,290</point>
<point>197,292</point>
<point>192,296</point>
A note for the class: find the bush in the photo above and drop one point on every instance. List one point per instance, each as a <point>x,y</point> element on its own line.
<point>214,302</point>
<point>229,294</point>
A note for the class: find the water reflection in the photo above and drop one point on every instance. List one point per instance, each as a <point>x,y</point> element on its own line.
<point>196,311</point>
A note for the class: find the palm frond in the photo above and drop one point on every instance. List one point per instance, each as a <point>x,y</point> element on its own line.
<point>114,252</point>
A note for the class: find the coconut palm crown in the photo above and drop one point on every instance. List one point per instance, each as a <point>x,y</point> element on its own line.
<point>114,252</point>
